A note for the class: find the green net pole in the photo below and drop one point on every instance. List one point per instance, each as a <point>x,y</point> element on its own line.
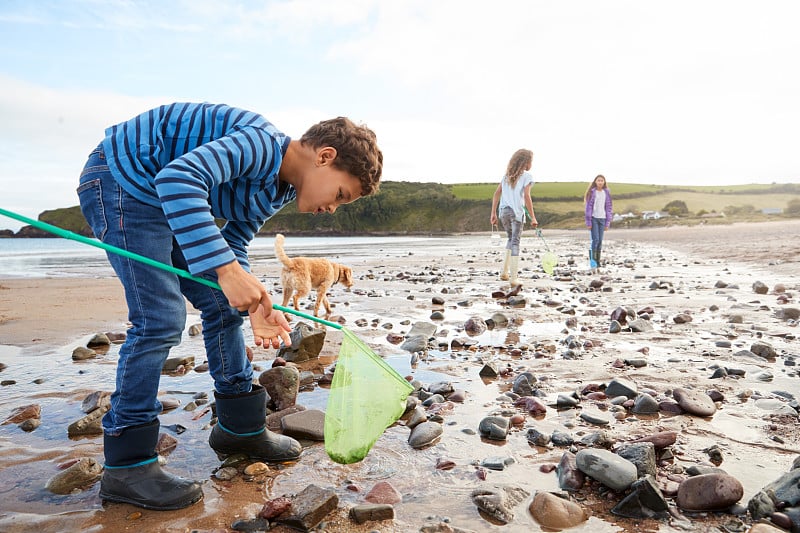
<point>55,230</point>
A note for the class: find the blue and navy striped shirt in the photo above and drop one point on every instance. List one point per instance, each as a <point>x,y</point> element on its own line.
<point>199,162</point>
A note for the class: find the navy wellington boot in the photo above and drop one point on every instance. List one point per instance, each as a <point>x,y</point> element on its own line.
<point>241,428</point>
<point>132,473</point>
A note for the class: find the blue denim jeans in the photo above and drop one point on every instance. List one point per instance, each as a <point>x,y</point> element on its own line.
<point>513,229</point>
<point>597,231</point>
<point>155,298</point>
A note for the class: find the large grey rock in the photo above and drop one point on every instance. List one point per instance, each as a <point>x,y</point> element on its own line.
<point>608,468</point>
<point>282,384</point>
<point>306,344</point>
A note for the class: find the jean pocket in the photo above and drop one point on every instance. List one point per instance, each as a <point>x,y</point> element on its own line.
<point>90,194</point>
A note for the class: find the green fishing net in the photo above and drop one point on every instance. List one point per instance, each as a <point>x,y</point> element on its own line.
<point>549,262</point>
<point>367,396</point>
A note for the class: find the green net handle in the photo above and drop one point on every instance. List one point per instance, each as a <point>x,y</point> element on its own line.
<point>55,230</point>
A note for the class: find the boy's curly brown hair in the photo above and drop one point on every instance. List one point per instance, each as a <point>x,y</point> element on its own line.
<point>357,151</point>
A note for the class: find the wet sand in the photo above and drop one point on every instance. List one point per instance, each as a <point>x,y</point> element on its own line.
<point>42,320</point>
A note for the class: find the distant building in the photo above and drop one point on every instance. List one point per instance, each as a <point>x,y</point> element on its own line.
<point>620,217</point>
<point>653,215</point>
<point>772,211</point>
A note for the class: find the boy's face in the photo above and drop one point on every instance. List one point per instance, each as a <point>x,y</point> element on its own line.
<point>324,188</point>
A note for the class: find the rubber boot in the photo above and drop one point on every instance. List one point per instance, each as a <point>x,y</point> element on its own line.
<point>513,265</point>
<point>504,275</point>
<point>592,260</point>
<point>597,260</point>
<point>132,473</point>
<point>241,428</point>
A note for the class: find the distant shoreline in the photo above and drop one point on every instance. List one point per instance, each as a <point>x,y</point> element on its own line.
<point>638,225</point>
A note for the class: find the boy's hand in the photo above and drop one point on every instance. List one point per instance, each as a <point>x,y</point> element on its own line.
<point>270,327</point>
<point>493,219</point>
<point>243,290</point>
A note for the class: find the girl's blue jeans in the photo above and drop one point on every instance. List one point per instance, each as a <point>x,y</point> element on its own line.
<point>597,231</point>
<point>155,298</point>
<point>513,229</point>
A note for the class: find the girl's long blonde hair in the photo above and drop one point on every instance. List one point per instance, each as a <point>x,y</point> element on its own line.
<point>593,185</point>
<point>519,163</point>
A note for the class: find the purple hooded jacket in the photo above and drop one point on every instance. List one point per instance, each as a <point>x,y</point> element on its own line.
<point>590,207</point>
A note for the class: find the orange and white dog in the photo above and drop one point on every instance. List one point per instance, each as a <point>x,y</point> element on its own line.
<point>301,274</point>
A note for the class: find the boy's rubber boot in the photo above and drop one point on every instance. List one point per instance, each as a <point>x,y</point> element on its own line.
<point>513,265</point>
<point>592,259</point>
<point>132,473</point>
<point>241,428</point>
<point>504,275</point>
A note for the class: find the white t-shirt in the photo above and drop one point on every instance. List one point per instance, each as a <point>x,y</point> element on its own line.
<point>512,197</point>
<point>599,208</point>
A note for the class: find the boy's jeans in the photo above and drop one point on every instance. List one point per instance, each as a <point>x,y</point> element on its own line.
<point>597,231</point>
<point>513,229</point>
<point>156,305</point>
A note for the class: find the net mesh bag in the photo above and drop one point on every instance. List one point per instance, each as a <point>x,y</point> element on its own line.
<point>549,262</point>
<point>366,396</point>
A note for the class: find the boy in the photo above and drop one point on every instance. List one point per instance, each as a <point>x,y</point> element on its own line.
<point>154,186</point>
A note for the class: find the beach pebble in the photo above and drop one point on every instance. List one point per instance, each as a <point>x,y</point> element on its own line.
<point>82,354</point>
<point>383,492</point>
<point>569,476</point>
<point>694,402</point>
<point>494,427</point>
<point>474,326</point>
<point>621,387</point>
<point>23,413</point>
<point>595,417</point>
<point>371,512</point>
<point>99,339</point>
<point>556,513</point>
<point>709,492</point>
<point>760,287</point>
<point>645,404</point>
<point>607,467</point>
<point>425,434</point>
<point>660,440</point>
<point>499,502</point>
<point>766,528</point>
<point>82,474</point>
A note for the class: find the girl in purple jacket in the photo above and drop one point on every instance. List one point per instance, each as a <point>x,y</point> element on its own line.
<point>598,216</point>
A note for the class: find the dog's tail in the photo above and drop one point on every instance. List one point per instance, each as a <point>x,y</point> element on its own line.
<point>285,259</point>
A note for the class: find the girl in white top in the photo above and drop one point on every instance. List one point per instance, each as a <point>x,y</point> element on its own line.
<point>510,199</point>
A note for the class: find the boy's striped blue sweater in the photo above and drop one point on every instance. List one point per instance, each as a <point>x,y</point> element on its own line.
<point>199,162</point>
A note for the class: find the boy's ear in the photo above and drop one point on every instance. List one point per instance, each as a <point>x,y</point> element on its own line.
<point>325,156</point>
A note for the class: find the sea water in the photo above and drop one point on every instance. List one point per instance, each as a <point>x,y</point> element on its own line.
<point>54,257</point>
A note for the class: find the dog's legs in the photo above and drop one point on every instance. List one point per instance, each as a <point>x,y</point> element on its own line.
<point>287,293</point>
<point>322,299</point>
<point>295,299</point>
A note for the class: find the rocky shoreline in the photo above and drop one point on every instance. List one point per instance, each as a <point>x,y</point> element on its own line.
<point>659,395</point>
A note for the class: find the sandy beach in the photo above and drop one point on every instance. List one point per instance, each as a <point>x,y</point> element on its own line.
<point>705,272</point>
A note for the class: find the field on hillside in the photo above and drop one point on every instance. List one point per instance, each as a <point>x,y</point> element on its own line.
<point>550,190</point>
<point>565,197</point>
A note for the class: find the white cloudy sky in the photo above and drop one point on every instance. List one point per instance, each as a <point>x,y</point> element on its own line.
<point>680,92</point>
